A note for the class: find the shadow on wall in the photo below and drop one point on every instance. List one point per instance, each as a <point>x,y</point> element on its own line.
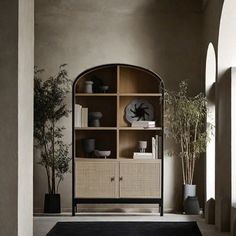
<point>175,44</point>
<point>225,214</point>
<point>226,130</point>
<point>173,178</point>
<point>233,213</point>
<point>223,151</point>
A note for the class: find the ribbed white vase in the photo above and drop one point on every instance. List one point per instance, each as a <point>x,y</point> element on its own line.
<point>189,190</point>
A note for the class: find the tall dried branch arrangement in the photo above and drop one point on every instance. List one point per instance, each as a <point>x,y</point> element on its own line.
<point>49,109</point>
<point>185,119</point>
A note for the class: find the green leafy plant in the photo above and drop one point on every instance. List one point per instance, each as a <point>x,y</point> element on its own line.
<point>186,123</point>
<point>49,109</point>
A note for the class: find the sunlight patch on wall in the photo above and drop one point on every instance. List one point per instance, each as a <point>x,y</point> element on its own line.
<point>210,93</point>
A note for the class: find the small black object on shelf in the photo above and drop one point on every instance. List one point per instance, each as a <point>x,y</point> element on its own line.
<point>97,84</point>
<point>94,119</point>
<point>88,145</point>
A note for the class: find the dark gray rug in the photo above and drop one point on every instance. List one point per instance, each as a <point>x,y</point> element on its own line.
<point>125,229</point>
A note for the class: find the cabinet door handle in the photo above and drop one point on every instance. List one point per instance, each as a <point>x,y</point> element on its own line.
<point>121,178</point>
<point>112,178</point>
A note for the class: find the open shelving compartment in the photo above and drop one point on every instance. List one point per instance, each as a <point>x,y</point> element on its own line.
<point>106,74</point>
<point>126,83</point>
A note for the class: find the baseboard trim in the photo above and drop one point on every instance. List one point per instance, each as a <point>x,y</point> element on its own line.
<point>107,210</point>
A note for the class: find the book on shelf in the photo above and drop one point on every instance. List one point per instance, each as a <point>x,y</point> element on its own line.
<point>156,147</point>
<point>84,117</point>
<point>81,116</point>
<point>143,124</point>
<point>142,155</point>
<point>159,151</point>
<point>78,109</point>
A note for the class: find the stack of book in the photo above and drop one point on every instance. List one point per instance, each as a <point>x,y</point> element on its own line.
<point>156,150</point>
<point>143,155</point>
<point>81,116</point>
<point>144,124</point>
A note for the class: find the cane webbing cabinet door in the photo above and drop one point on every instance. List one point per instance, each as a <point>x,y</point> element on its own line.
<point>120,178</point>
<point>140,179</point>
<point>96,179</point>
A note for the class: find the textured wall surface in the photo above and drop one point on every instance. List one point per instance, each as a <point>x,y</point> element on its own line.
<point>211,31</point>
<point>220,30</point>
<point>8,104</point>
<point>164,36</point>
<point>16,121</point>
<point>226,99</point>
<point>25,117</point>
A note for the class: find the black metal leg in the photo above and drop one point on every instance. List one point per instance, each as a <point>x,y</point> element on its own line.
<point>161,209</point>
<point>73,209</point>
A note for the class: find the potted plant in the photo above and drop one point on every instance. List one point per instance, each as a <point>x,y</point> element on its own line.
<point>186,123</point>
<point>49,109</point>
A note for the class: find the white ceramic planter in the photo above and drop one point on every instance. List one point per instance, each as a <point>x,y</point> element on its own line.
<point>189,190</point>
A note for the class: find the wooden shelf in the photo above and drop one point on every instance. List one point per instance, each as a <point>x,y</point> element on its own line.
<point>96,128</point>
<point>125,100</point>
<point>92,159</point>
<point>118,177</point>
<point>125,84</point>
<point>139,128</point>
<point>127,159</point>
<point>140,94</point>
<point>95,94</point>
<point>107,75</point>
<point>120,159</point>
<point>104,104</point>
<point>128,141</point>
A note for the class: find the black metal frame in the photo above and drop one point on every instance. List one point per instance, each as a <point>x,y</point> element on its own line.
<point>76,201</point>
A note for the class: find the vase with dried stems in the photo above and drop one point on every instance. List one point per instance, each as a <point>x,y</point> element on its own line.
<point>185,118</point>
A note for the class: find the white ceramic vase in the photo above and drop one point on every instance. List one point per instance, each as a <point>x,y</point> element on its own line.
<point>88,86</point>
<point>189,190</point>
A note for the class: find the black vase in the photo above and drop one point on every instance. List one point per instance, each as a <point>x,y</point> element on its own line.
<point>191,206</point>
<point>88,146</point>
<point>52,203</point>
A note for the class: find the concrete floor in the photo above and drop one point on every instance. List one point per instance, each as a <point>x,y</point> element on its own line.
<point>43,224</point>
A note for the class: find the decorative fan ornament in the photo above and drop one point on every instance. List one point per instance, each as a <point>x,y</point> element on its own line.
<point>139,110</point>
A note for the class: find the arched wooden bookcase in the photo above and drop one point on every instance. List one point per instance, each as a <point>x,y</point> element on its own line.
<point>119,178</point>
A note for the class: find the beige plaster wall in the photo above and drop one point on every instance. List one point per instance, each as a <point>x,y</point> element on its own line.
<point>8,104</point>
<point>16,159</point>
<point>164,36</point>
<point>25,117</point>
<point>233,151</point>
<point>219,29</point>
<point>226,60</point>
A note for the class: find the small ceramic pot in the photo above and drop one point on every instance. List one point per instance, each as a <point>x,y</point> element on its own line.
<point>88,86</point>
<point>94,119</point>
<point>142,146</point>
